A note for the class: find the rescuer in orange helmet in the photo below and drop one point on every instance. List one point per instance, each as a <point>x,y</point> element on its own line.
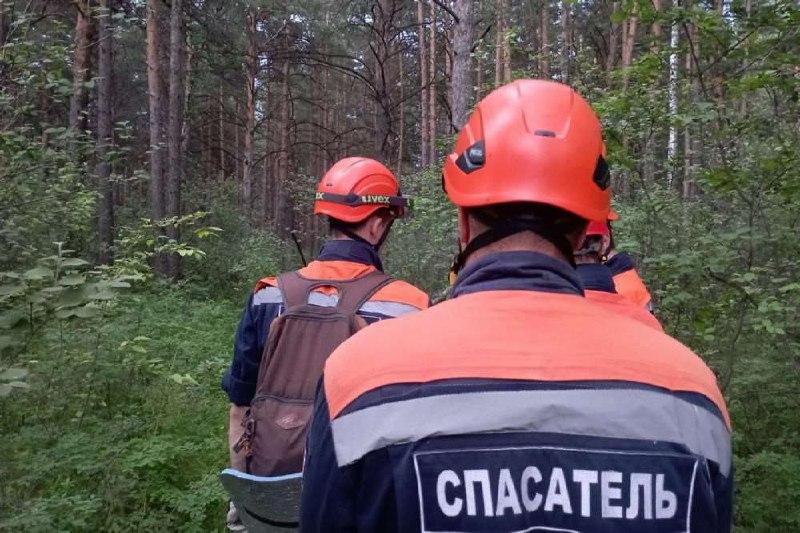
<point>518,404</point>
<point>598,281</point>
<point>361,199</point>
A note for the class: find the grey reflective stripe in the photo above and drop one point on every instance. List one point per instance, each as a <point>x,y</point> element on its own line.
<point>268,295</point>
<point>388,308</point>
<point>272,295</point>
<point>621,413</point>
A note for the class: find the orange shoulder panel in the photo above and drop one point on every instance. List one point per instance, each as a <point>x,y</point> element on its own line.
<point>403,292</point>
<point>616,303</point>
<point>396,291</point>
<point>631,286</point>
<point>513,335</point>
<point>270,281</point>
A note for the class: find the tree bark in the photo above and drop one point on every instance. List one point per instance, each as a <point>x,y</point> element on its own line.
<point>672,97</point>
<point>177,66</point>
<point>544,39</point>
<point>629,39</point>
<point>105,133</point>
<point>282,210</point>
<point>499,37</point>
<point>613,41</point>
<point>250,73</point>
<point>81,66</point>
<point>158,115</point>
<point>221,156</point>
<point>402,123</point>
<point>461,84</point>
<point>3,23</point>
<point>432,92</point>
<point>424,86</point>
<point>566,40</point>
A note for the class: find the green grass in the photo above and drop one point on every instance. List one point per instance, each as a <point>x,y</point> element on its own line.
<point>124,426</point>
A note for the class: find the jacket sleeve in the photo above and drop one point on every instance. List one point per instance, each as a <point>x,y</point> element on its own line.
<point>239,381</point>
<point>329,492</point>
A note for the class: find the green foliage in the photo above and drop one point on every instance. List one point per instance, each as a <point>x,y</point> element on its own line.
<point>127,419</point>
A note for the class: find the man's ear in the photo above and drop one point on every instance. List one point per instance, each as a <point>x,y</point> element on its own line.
<point>463,227</point>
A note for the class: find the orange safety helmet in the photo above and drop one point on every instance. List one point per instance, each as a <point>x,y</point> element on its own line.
<point>355,187</point>
<point>531,141</point>
<point>598,228</point>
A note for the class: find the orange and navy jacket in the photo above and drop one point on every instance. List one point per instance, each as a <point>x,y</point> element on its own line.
<point>338,260</point>
<point>627,281</point>
<point>598,287</point>
<point>518,405</point>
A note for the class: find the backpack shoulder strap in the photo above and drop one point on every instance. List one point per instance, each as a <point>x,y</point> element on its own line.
<point>295,289</point>
<point>355,293</point>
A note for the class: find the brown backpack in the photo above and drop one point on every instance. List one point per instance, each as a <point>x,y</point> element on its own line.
<point>299,342</point>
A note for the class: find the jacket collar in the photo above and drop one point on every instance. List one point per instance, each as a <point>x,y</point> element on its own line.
<point>514,271</point>
<point>596,278</point>
<point>350,250</point>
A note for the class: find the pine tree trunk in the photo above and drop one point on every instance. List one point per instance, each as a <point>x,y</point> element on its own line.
<point>177,66</point>
<point>566,40</point>
<point>432,91</point>
<point>544,39</point>
<point>499,37</point>
<point>81,65</point>
<point>424,85</point>
<point>105,133</point>
<point>629,39</point>
<point>158,115</point>
<point>402,124</point>
<point>672,97</point>
<point>282,214</point>
<point>613,41</point>
<point>4,17</point>
<point>221,156</point>
<point>461,84</point>
<point>250,73</point>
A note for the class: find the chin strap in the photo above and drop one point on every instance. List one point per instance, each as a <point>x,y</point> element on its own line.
<point>500,229</point>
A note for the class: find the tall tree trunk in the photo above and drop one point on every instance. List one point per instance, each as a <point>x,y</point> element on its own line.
<point>105,133</point>
<point>4,18</point>
<point>158,115</point>
<point>461,85</point>
<point>81,65</point>
<point>544,39</point>
<point>566,39</point>
<point>250,73</point>
<point>177,66</point>
<point>613,40</point>
<point>402,123</point>
<point>629,39</point>
<point>432,92</point>
<point>282,209</point>
<point>672,97</point>
<point>499,37</point>
<point>221,136</point>
<point>424,85</point>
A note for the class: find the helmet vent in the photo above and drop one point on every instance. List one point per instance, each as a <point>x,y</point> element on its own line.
<point>545,133</point>
<point>602,176</point>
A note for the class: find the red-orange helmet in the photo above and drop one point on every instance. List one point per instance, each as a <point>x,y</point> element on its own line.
<point>531,141</point>
<point>599,228</point>
<point>355,187</point>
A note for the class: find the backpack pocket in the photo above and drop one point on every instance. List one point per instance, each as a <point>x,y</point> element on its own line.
<point>279,427</point>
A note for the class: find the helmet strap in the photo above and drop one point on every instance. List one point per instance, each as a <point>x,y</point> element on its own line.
<point>499,229</point>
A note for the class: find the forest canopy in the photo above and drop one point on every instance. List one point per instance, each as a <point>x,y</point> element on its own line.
<point>158,157</point>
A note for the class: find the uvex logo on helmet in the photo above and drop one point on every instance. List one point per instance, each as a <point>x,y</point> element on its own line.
<point>531,141</point>
<point>356,187</point>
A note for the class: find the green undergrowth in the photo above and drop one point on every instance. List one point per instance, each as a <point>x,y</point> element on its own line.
<point>123,426</point>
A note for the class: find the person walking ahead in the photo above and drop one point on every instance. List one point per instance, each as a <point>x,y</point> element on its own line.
<point>518,405</point>
<point>273,375</point>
